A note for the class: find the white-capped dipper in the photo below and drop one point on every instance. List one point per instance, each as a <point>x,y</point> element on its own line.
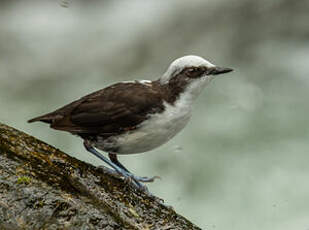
<point>136,116</point>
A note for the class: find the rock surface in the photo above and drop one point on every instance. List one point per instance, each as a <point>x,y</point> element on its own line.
<point>44,188</point>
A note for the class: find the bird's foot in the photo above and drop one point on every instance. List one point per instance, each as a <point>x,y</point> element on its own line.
<point>131,178</point>
<point>108,170</point>
<point>143,178</point>
<point>136,182</point>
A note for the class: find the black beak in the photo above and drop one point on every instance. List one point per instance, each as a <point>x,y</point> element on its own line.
<point>218,70</point>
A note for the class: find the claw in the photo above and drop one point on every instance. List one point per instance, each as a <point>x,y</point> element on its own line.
<point>145,179</point>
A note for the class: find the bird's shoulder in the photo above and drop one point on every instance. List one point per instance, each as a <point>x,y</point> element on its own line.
<point>133,94</point>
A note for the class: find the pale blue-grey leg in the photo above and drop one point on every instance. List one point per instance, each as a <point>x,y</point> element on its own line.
<point>120,170</point>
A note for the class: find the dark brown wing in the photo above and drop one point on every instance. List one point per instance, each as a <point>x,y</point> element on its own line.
<point>108,111</point>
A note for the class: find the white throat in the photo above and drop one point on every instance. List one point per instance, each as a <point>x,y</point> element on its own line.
<point>193,90</point>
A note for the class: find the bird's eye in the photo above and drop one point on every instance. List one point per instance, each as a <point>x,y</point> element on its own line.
<point>193,72</point>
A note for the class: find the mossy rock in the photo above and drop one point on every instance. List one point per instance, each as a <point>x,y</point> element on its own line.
<point>44,188</point>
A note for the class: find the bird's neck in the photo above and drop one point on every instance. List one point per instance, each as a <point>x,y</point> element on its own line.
<point>186,94</point>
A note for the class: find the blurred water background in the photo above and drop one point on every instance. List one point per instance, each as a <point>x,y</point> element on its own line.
<point>243,160</point>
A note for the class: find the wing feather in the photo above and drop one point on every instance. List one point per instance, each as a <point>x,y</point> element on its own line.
<point>108,111</point>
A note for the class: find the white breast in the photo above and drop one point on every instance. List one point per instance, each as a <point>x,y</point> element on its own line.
<point>155,131</point>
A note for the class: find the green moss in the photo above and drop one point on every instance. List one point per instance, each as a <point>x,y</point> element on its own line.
<point>41,203</point>
<point>24,180</point>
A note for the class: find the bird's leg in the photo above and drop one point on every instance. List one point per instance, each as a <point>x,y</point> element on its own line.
<point>114,159</point>
<point>119,170</point>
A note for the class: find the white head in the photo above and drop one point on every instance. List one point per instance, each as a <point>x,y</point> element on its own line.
<point>192,63</point>
<point>188,75</point>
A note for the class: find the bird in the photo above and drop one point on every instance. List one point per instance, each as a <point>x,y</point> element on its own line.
<point>136,116</point>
